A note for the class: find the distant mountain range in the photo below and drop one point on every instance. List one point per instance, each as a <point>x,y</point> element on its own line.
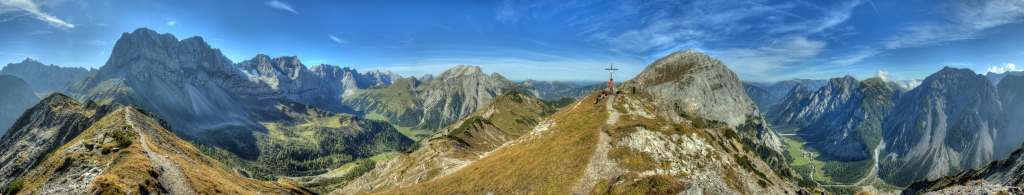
<point>46,79</point>
<point>16,96</point>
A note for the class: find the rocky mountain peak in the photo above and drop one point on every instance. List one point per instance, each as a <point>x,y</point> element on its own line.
<point>28,61</point>
<point>427,77</point>
<point>462,70</point>
<point>698,84</point>
<point>951,120</point>
<point>146,52</point>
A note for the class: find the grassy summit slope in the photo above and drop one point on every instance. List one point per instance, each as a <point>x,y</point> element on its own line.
<point>503,119</point>
<point>619,145</point>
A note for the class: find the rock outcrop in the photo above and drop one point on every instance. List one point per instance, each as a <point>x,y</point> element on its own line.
<point>46,79</point>
<point>945,125</point>
<point>15,97</point>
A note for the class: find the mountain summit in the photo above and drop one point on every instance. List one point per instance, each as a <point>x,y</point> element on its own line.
<point>693,84</point>
<point>944,126</point>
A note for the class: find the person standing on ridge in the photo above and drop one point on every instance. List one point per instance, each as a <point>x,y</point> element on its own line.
<point>611,87</point>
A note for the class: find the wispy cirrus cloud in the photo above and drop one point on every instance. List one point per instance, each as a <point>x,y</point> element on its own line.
<point>339,40</point>
<point>42,32</point>
<point>92,42</point>
<point>279,5</point>
<point>171,22</point>
<point>959,20</point>
<point>754,38</point>
<point>30,8</point>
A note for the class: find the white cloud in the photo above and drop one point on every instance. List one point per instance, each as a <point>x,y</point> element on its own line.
<point>856,57</point>
<point>93,42</point>
<point>962,20</point>
<point>336,39</point>
<point>42,32</point>
<point>906,84</point>
<point>33,9</point>
<point>279,5</point>
<point>172,22</point>
<point>763,61</point>
<point>1006,67</point>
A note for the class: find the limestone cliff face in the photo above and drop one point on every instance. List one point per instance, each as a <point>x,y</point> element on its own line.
<point>692,83</point>
<point>785,111</point>
<point>190,83</point>
<point>1011,95</point>
<point>46,78</point>
<point>839,96</point>
<point>15,97</point>
<point>337,79</point>
<point>287,75</point>
<point>945,125</point>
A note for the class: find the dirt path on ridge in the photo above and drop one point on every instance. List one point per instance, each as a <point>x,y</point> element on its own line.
<point>171,178</point>
<point>600,167</point>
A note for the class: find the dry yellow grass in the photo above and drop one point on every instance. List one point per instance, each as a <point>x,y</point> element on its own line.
<point>548,164</point>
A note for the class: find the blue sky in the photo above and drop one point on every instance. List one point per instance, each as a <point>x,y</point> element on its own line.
<point>545,40</point>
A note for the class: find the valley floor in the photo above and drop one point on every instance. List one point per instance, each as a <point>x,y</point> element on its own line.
<point>808,162</point>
